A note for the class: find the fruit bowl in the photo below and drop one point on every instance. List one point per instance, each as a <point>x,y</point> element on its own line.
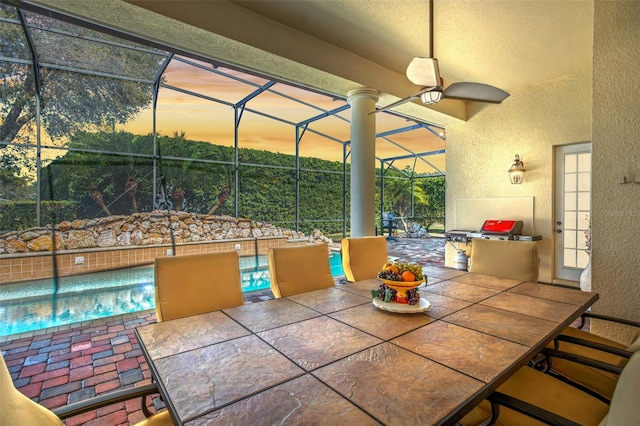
<point>401,287</point>
<point>400,281</point>
<point>407,285</point>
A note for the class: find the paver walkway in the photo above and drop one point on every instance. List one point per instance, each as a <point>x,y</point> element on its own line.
<point>65,364</point>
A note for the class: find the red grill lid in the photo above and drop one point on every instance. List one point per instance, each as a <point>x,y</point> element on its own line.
<point>513,227</point>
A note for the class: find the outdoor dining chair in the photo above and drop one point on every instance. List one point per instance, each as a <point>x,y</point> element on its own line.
<point>363,257</point>
<point>564,358</point>
<point>505,258</point>
<point>531,397</point>
<point>17,409</point>
<point>519,260</point>
<point>295,270</point>
<point>196,284</point>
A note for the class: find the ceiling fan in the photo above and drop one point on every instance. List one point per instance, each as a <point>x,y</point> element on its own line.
<point>424,72</point>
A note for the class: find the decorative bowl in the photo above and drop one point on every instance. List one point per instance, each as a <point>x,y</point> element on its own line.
<point>401,287</point>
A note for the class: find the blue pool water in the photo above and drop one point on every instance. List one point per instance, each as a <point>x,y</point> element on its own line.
<point>36,305</point>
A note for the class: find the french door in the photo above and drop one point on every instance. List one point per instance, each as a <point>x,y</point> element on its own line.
<point>573,209</point>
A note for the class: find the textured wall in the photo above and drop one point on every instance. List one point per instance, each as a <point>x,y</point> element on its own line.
<point>529,123</point>
<point>616,150</point>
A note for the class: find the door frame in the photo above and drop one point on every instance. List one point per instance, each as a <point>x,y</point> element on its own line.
<point>567,275</point>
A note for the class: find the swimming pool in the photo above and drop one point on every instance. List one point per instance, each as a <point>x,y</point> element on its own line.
<point>37,304</point>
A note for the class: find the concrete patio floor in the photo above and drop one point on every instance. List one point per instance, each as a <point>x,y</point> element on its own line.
<point>65,364</point>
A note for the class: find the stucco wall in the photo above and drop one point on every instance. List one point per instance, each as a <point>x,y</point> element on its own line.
<point>529,123</point>
<point>616,150</point>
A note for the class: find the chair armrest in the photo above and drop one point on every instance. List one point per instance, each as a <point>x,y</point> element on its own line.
<point>610,318</point>
<point>105,400</point>
<point>497,399</point>
<point>593,345</point>
<point>582,360</point>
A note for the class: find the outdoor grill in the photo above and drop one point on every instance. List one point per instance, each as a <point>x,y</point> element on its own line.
<point>492,230</point>
<point>501,229</point>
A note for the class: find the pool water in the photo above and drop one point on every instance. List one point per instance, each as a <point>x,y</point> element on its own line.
<point>37,304</point>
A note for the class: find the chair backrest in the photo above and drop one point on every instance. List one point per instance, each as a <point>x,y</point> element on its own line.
<point>363,257</point>
<point>505,258</point>
<point>625,403</point>
<point>17,409</point>
<point>387,219</point>
<point>196,284</point>
<point>294,270</point>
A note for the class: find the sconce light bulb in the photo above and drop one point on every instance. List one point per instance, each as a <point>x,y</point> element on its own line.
<point>516,172</point>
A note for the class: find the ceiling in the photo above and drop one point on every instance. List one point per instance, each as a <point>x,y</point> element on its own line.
<point>506,43</point>
<point>503,42</point>
<point>338,45</point>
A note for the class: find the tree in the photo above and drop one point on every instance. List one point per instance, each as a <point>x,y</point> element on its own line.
<point>428,196</point>
<point>99,172</point>
<point>70,101</point>
<point>398,192</point>
<point>115,183</point>
<point>13,186</point>
<point>434,208</point>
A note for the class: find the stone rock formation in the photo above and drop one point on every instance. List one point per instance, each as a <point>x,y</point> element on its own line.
<point>142,229</point>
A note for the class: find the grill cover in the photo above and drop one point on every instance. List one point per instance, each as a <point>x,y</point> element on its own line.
<point>506,227</point>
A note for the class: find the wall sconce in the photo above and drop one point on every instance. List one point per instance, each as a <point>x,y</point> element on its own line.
<point>516,172</point>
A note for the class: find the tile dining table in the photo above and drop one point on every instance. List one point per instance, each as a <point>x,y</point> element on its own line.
<point>331,357</point>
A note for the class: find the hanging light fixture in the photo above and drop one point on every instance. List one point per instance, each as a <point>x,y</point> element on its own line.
<point>516,172</point>
<point>431,97</point>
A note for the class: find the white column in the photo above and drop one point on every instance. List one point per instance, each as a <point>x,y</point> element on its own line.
<point>363,161</point>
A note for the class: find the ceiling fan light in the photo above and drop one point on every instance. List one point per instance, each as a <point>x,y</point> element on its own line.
<point>431,97</point>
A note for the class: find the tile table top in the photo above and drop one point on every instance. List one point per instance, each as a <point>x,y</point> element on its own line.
<point>457,290</point>
<point>331,357</point>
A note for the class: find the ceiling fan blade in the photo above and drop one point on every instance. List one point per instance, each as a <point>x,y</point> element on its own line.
<point>404,101</point>
<point>476,92</point>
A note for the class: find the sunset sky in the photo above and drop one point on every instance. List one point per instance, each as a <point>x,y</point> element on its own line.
<point>205,120</point>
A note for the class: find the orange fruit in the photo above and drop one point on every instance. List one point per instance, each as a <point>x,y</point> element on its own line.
<point>393,268</point>
<point>408,276</point>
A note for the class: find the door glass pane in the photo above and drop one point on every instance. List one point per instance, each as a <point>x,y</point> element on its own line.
<point>570,222</point>
<point>570,165</point>
<point>583,221</point>
<point>569,258</point>
<point>570,200</point>
<point>570,183</point>
<point>584,201</point>
<point>584,181</point>
<point>583,259</point>
<point>570,239</point>
<point>584,162</point>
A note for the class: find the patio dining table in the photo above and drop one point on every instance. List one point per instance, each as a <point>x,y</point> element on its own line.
<point>332,357</point>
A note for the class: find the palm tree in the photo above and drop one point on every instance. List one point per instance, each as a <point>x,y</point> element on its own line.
<point>402,195</point>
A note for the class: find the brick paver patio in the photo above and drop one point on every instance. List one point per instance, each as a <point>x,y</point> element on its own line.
<point>56,368</point>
